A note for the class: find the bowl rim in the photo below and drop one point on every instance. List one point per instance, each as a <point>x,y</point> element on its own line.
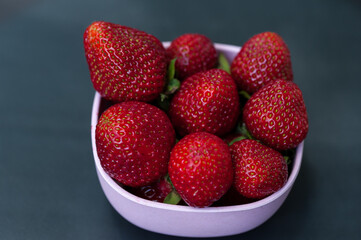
<point>243,207</point>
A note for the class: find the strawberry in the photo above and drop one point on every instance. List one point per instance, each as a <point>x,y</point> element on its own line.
<point>156,191</point>
<point>207,101</point>
<point>200,168</point>
<point>160,191</point>
<point>276,115</point>
<point>125,63</point>
<point>259,170</point>
<point>133,141</point>
<point>194,53</point>
<point>263,58</point>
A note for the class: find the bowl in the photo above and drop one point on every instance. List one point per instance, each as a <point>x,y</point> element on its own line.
<point>185,221</point>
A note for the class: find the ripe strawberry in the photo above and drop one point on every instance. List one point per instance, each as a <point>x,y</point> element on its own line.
<point>194,53</point>
<point>125,63</point>
<point>259,170</point>
<point>276,115</point>
<point>263,58</point>
<point>200,168</point>
<point>206,101</point>
<point>133,141</point>
<point>156,191</point>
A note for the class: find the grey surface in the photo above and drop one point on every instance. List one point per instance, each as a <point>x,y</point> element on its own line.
<point>48,184</point>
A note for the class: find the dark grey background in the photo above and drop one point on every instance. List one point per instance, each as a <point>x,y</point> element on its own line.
<point>48,184</point>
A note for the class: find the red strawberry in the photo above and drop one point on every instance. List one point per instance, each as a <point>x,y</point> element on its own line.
<point>276,115</point>
<point>263,58</point>
<point>194,53</point>
<point>200,168</point>
<point>156,191</point>
<point>125,63</point>
<point>206,101</point>
<point>134,140</point>
<point>259,170</point>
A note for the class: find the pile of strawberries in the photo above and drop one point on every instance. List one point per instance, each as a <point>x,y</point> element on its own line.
<point>184,125</point>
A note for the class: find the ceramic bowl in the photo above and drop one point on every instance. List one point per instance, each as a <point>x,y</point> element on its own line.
<point>187,221</point>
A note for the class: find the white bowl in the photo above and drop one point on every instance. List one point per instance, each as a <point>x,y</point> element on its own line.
<point>184,220</point>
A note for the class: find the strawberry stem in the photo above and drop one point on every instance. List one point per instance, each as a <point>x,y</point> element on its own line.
<point>172,86</point>
<point>172,83</point>
<point>223,63</point>
<point>171,69</point>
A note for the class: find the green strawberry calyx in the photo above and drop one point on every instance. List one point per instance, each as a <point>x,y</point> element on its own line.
<point>245,134</point>
<point>173,85</point>
<point>236,140</point>
<point>242,129</point>
<point>173,197</point>
<point>171,69</point>
<point>223,63</point>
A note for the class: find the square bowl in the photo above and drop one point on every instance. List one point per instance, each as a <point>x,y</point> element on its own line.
<point>188,221</point>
